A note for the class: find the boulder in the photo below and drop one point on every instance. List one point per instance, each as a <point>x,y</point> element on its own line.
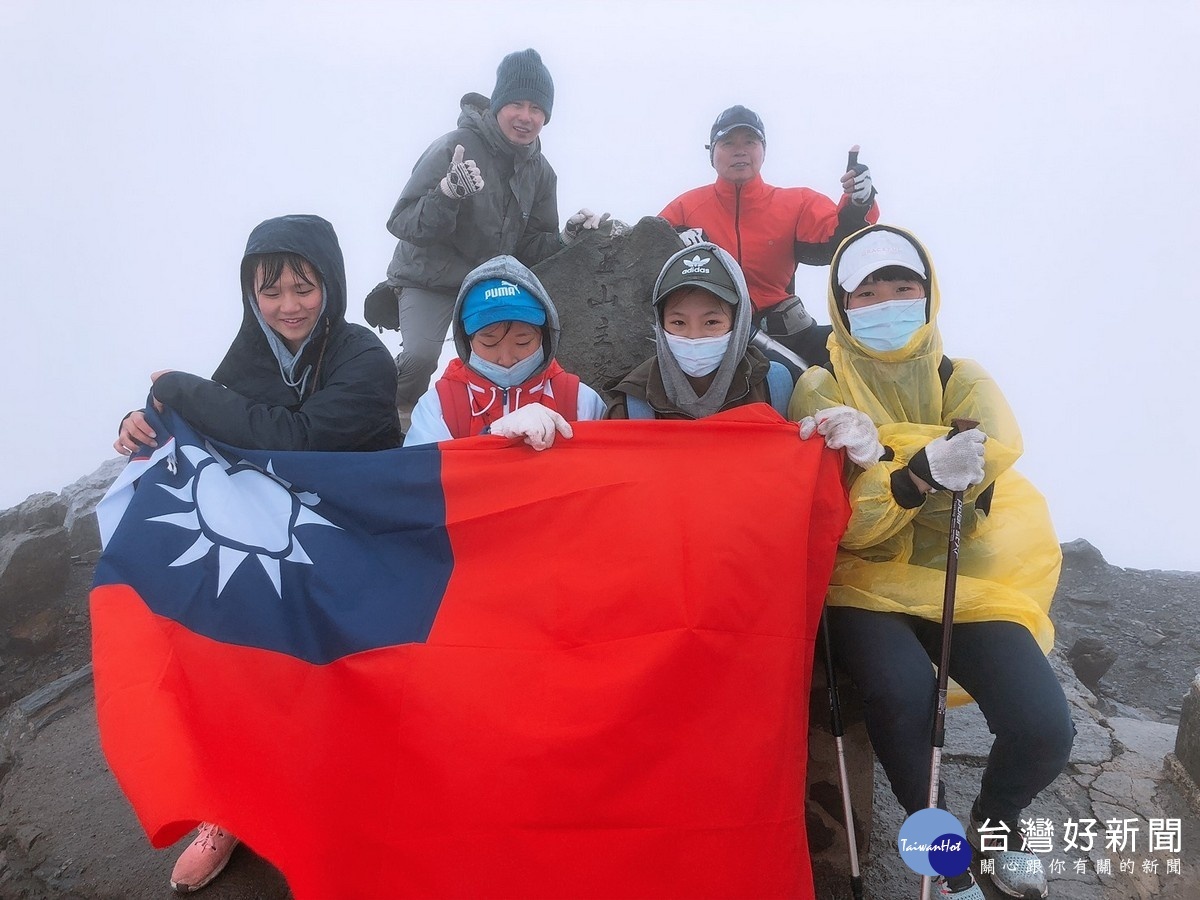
<point>34,561</point>
<point>602,285</point>
<point>81,497</point>
<point>1084,559</point>
<point>1090,658</point>
<point>1187,740</point>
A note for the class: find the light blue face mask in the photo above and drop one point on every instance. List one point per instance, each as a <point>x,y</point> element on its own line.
<point>507,377</point>
<point>888,325</point>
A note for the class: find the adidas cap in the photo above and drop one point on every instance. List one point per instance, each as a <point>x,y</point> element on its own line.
<point>696,266</point>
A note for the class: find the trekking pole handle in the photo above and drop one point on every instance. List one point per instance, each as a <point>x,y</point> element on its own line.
<point>852,158</point>
<point>960,425</point>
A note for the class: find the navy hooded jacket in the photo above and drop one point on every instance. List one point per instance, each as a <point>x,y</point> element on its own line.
<point>347,401</point>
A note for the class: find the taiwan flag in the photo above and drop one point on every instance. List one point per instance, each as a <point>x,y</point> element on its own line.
<point>472,669</point>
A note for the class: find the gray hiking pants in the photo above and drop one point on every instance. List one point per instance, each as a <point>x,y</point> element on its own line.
<point>424,321</point>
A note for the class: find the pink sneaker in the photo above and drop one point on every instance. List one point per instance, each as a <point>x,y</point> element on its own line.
<point>203,859</point>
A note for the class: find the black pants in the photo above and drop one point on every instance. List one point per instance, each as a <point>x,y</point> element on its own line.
<point>888,657</point>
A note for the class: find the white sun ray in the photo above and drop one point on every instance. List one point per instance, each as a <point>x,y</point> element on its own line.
<point>181,493</point>
<point>271,567</point>
<point>198,550</point>
<point>186,520</point>
<point>298,554</point>
<point>307,517</point>
<point>216,524</point>
<point>228,560</point>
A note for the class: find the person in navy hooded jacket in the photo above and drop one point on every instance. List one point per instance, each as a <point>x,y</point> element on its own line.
<point>297,376</point>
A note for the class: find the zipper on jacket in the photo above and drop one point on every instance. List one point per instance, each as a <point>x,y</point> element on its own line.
<point>737,219</point>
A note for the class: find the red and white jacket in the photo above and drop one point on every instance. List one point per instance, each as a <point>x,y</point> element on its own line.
<point>462,403</point>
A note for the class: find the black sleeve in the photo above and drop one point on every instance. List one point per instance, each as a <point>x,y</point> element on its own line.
<point>353,405</point>
<point>850,218</point>
<point>904,491</point>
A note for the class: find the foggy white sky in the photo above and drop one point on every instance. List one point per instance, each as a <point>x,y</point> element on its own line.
<point>1046,153</point>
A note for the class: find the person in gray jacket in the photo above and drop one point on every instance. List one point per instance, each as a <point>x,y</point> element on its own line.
<point>480,191</point>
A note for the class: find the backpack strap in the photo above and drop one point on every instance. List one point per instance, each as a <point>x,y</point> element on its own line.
<point>945,370</point>
<point>637,408</point>
<point>456,406</point>
<point>566,395</point>
<point>779,386</point>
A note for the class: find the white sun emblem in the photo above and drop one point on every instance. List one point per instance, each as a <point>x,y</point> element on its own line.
<point>243,512</point>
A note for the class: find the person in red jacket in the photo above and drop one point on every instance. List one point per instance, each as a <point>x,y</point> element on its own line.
<point>769,230</point>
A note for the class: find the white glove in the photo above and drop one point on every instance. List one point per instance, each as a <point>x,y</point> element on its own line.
<point>691,236</point>
<point>845,428</point>
<point>463,179</point>
<point>536,423</point>
<point>857,183</point>
<point>956,462</point>
<point>584,220</point>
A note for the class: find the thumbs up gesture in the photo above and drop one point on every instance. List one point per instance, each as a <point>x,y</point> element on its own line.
<point>857,180</point>
<point>463,179</point>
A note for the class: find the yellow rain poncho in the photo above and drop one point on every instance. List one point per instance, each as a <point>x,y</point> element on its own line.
<point>893,559</point>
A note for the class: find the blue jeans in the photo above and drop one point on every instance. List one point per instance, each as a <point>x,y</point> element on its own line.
<point>888,657</point>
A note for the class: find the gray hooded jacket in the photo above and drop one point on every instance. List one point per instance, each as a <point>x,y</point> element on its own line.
<point>515,214</point>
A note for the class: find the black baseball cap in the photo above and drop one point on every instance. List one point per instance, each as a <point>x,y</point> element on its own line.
<point>700,265</point>
<point>737,117</point>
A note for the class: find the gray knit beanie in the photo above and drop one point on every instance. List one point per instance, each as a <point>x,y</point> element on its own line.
<point>523,76</point>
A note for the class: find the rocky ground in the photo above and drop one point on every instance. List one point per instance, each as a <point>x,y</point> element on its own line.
<point>1144,621</point>
<point>67,832</point>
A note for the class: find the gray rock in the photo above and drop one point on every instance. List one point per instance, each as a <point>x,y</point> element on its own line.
<point>35,512</point>
<point>602,285</point>
<point>1187,741</point>
<point>1146,742</point>
<point>33,572</point>
<point>1093,744</point>
<point>1084,558</point>
<point>81,497</point>
<point>1091,658</point>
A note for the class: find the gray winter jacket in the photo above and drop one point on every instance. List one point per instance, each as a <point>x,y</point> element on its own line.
<point>515,214</point>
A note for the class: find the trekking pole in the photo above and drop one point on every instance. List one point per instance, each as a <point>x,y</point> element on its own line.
<point>835,725</point>
<point>772,347</point>
<point>938,738</point>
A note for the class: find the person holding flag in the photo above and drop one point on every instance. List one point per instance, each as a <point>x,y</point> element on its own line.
<point>506,380</point>
<point>703,361</point>
<point>297,376</point>
<point>889,399</point>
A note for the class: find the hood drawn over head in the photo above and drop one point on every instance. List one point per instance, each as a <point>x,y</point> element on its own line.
<point>506,268</point>
<point>705,266</point>
<point>313,238</point>
<point>900,385</point>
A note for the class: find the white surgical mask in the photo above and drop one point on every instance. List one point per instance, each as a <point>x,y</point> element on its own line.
<point>698,356</point>
<point>888,325</point>
<point>515,374</point>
